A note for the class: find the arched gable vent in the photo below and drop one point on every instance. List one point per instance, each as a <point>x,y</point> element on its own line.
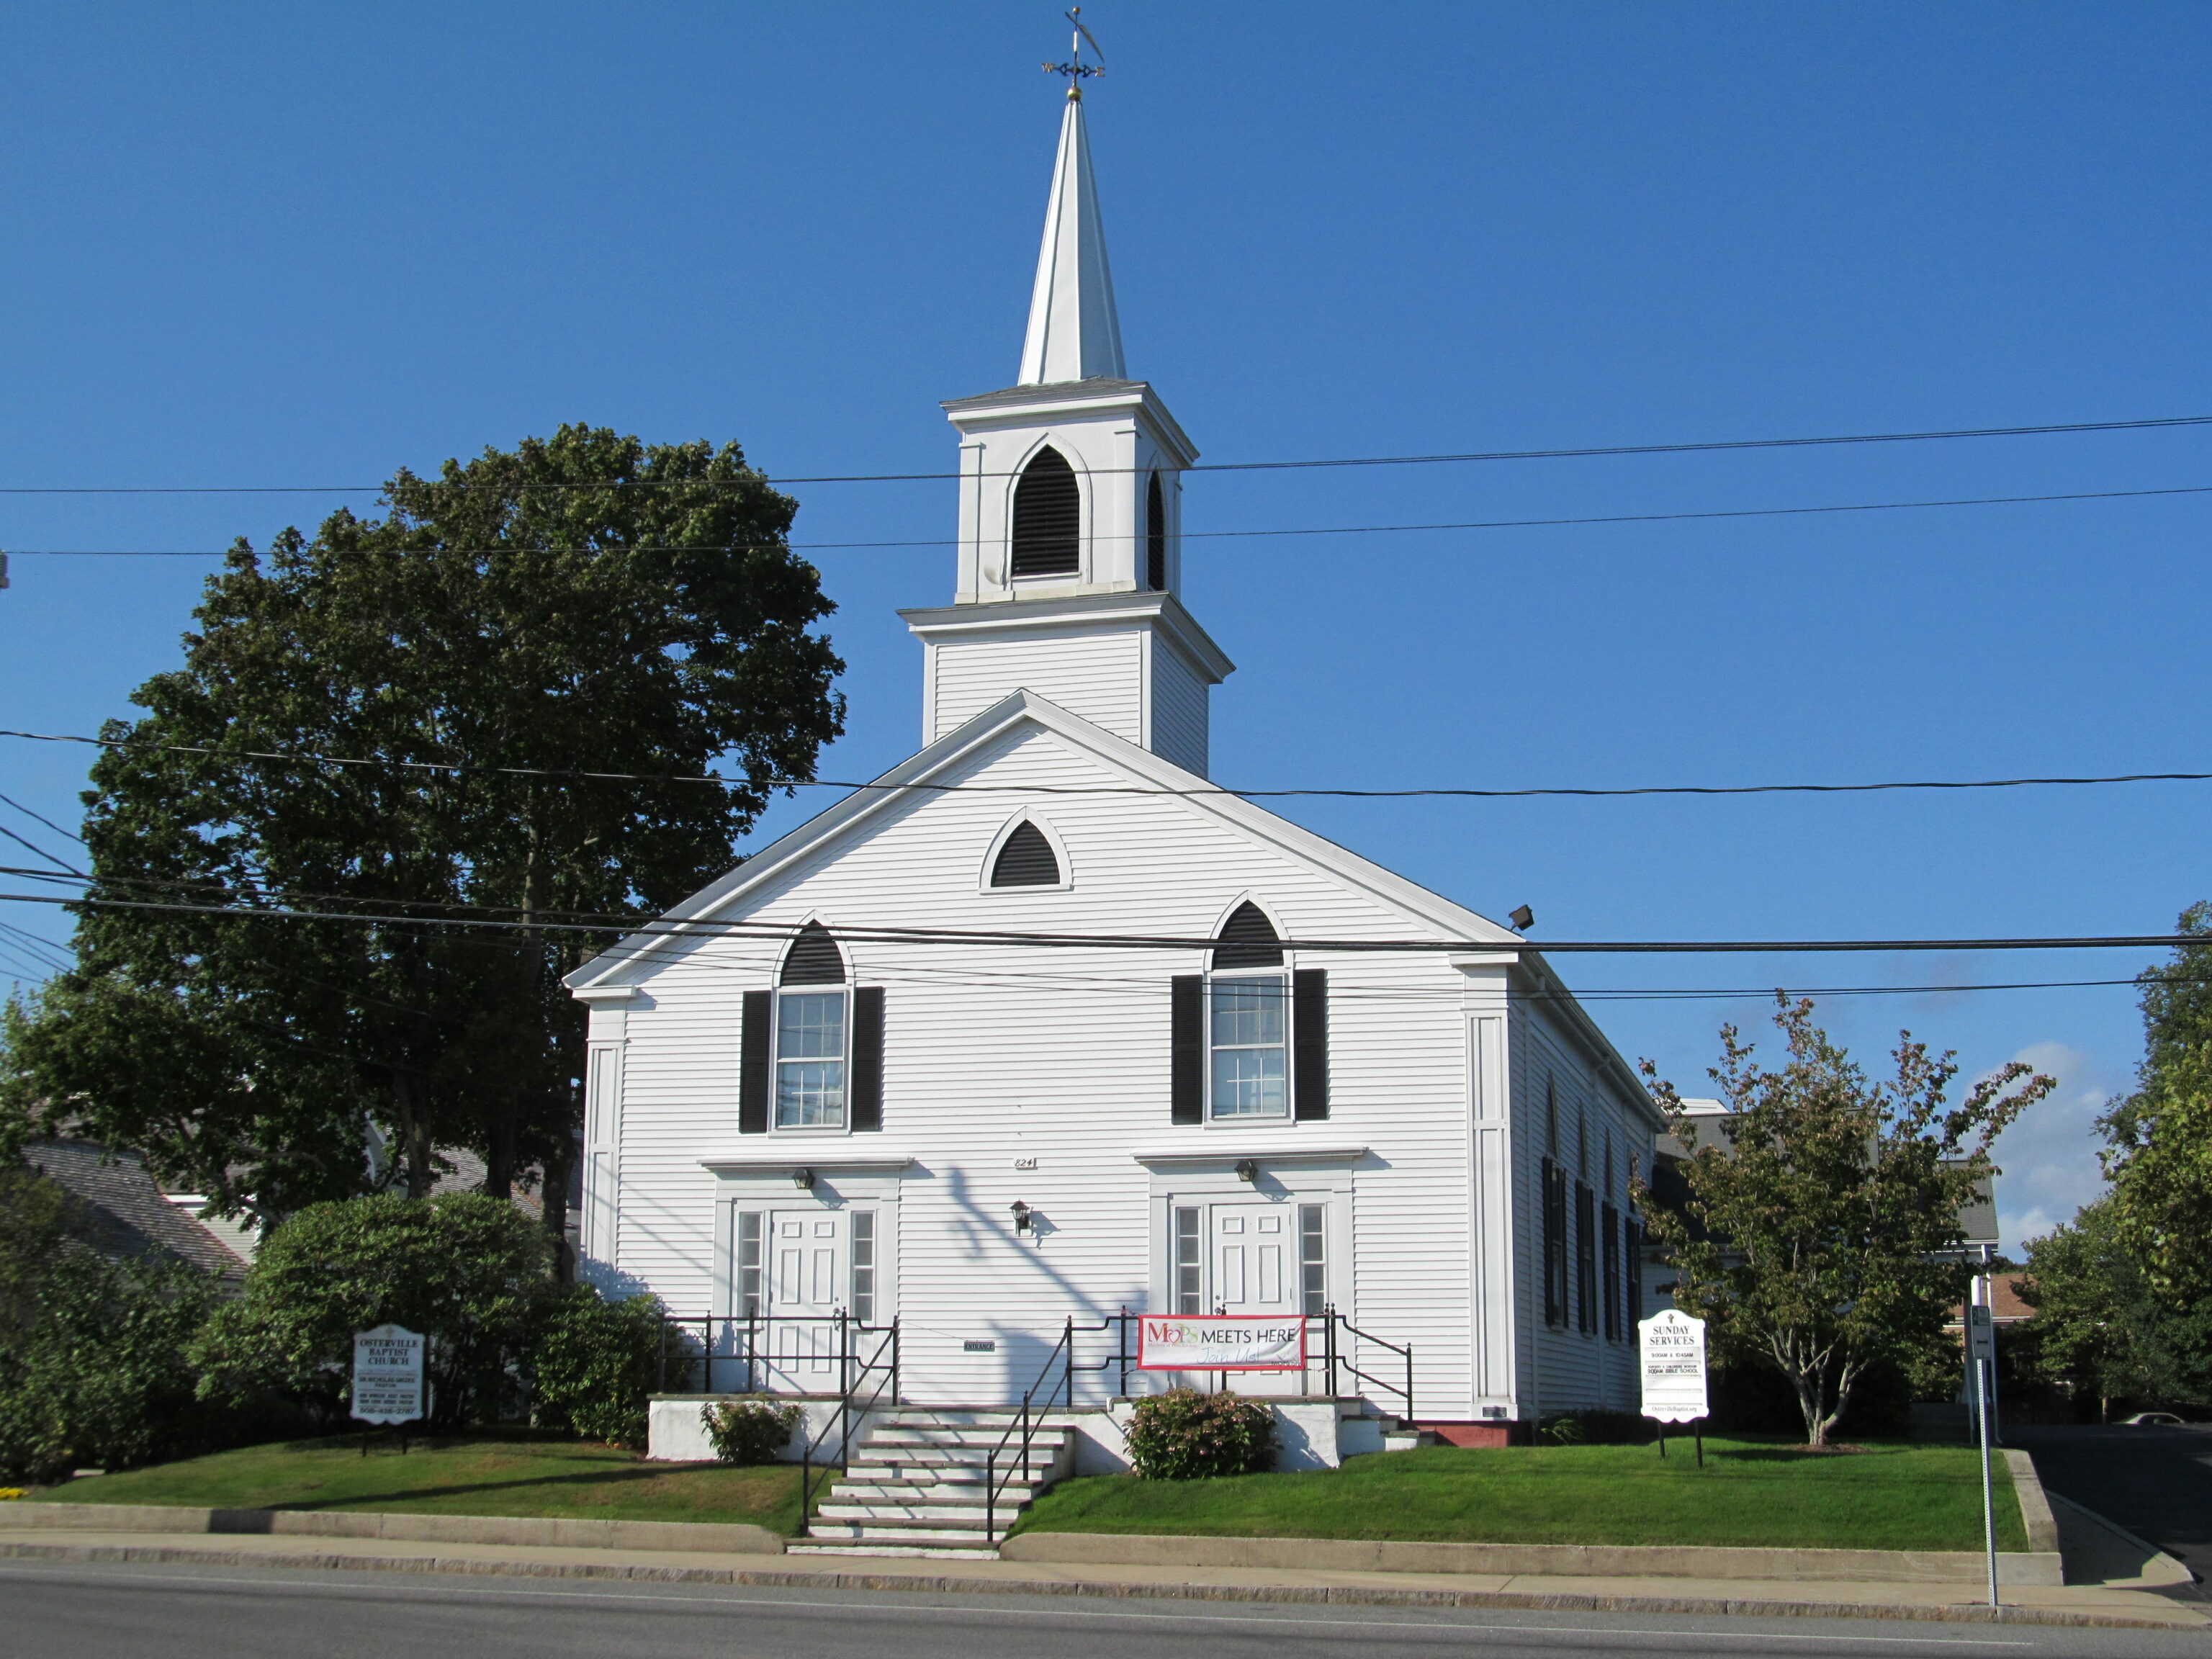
<point>1026,860</point>
<point>814,959</point>
<point>1047,518</point>
<point>1155,537</point>
<point>1248,939</point>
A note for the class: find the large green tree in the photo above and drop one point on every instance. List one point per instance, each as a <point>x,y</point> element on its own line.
<point>1821,1234</point>
<point>2160,1151</point>
<point>587,603</point>
<point>2101,1329</point>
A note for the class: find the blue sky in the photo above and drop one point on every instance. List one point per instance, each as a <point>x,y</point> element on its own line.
<point>277,244</point>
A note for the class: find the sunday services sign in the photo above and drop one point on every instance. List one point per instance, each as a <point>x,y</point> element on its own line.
<point>1221,1342</point>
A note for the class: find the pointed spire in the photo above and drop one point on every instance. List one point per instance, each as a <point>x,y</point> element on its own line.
<point>1073,333</point>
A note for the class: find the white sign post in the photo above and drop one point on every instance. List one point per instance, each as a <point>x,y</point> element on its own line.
<point>1671,1345</point>
<point>387,1376</point>
<point>1981,1366</point>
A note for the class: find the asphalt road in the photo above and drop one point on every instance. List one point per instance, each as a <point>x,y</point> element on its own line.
<point>125,1611</point>
<point>2157,1483</point>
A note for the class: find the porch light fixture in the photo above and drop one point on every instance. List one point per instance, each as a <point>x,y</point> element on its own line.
<point>1247,1169</point>
<point>1522,919</point>
<point>1024,1217</point>
<point>803,1179</point>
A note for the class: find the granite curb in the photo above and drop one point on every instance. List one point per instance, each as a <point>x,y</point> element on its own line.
<point>954,1584</point>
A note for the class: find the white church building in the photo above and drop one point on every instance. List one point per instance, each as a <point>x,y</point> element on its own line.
<point>1227,1066</point>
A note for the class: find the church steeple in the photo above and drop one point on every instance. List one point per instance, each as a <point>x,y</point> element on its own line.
<point>1070,558</point>
<point>1073,333</point>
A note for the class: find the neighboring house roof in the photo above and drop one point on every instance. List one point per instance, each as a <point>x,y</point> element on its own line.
<point>631,959</point>
<point>131,1216</point>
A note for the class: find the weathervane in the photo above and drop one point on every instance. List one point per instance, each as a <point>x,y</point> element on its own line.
<point>1075,69</point>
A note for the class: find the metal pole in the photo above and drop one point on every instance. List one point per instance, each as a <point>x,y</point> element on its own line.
<point>1990,1297</point>
<point>1700,1426</point>
<point>1989,1495</point>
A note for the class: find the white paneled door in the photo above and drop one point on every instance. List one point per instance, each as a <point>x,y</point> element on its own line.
<point>1256,1258</point>
<point>809,1275</point>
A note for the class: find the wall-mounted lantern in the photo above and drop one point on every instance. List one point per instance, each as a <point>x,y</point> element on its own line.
<point>803,1179</point>
<point>1024,1217</point>
<point>1247,1169</point>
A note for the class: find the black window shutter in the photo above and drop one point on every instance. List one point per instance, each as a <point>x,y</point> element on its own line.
<point>1554,1313</point>
<point>1187,1049</point>
<point>1309,1043</point>
<point>865,1088</point>
<point>752,1063</point>
<point>1155,538</point>
<point>1047,539</point>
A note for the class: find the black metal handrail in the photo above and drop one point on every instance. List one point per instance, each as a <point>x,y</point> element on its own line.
<point>1335,1360</point>
<point>1062,1355</point>
<point>744,1333</point>
<point>853,1372</point>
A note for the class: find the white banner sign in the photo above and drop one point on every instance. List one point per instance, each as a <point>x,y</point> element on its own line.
<point>387,1374</point>
<point>1221,1342</point>
<point>1673,1352</point>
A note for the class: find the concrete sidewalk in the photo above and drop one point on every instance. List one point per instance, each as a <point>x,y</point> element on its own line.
<point>2140,1603</point>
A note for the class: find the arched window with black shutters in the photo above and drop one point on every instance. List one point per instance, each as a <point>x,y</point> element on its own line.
<point>1155,537</point>
<point>1246,1040</point>
<point>1047,518</point>
<point>811,1052</point>
<point>1026,860</point>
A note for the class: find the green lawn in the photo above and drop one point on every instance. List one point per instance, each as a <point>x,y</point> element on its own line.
<point>1896,1496</point>
<point>459,1474</point>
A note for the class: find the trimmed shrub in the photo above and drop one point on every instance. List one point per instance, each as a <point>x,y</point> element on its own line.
<point>1184,1435</point>
<point>467,1270</point>
<point>748,1431</point>
<point>1595,1428</point>
<point>594,1365</point>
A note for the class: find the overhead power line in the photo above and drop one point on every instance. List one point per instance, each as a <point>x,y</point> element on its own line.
<point>880,933</point>
<point>1199,535</point>
<point>512,488</point>
<point>464,768</point>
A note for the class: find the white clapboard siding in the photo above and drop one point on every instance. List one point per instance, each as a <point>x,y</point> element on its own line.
<point>1099,677</point>
<point>1180,697</point>
<point>1061,1056</point>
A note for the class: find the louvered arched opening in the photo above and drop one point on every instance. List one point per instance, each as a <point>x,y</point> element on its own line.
<point>1248,939</point>
<point>814,959</point>
<point>1155,537</point>
<point>1026,860</point>
<point>1047,518</point>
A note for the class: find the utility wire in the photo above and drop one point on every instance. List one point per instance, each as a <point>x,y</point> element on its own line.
<point>461,767</point>
<point>892,934</point>
<point>1186,535</point>
<point>1214,466</point>
<point>72,834</point>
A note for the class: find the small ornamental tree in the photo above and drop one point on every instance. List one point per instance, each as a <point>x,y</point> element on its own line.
<point>1821,1235</point>
<point>1184,1435</point>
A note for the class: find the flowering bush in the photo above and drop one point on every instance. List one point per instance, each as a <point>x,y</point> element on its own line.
<point>1184,1435</point>
<point>748,1431</point>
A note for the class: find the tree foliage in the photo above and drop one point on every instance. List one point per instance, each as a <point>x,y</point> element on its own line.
<point>92,1351</point>
<point>2100,1327</point>
<point>2159,1155</point>
<point>582,603</point>
<point>468,1271</point>
<point>1821,1233</point>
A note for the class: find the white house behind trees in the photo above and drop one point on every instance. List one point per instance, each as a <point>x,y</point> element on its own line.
<point>801,1114</point>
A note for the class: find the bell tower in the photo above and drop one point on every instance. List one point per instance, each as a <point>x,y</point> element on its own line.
<point>1070,559</point>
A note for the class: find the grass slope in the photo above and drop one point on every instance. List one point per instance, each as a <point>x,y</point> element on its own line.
<point>459,1475</point>
<point>1750,1492</point>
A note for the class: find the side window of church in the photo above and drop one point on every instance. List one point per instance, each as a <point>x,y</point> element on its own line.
<point>1249,1040</point>
<point>811,1050</point>
<point>1047,537</point>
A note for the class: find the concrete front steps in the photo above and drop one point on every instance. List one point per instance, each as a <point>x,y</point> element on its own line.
<point>914,1485</point>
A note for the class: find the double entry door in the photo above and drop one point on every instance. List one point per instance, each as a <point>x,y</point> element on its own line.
<point>799,1269</point>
